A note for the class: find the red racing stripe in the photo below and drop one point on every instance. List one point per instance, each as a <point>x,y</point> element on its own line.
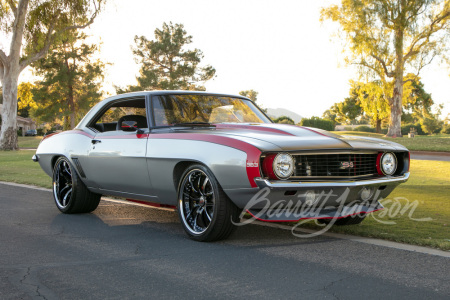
<point>253,153</point>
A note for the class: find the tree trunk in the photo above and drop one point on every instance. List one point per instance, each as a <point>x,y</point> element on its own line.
<point>8,135</point>
<point>11,69</point>
<point>395,121</point>
<point>378,126</point>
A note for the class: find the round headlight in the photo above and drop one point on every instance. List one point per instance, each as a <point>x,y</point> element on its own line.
<point>388,163</point>
<point>283,165</point>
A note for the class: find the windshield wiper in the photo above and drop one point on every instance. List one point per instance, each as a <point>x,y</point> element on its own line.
<point>196,124</point>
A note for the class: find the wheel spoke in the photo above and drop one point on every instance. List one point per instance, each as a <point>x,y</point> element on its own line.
<point>192,183</point>
<point>191,197</point>
<point>65,200</point>
<point>197,201</point>
<point>67,169</point>
<point>207,215</point>
<point>204,185</point>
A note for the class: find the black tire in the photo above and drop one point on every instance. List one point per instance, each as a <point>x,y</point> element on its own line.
<point>69,192</point>
<point>205,211</point>
<point>352,220</point>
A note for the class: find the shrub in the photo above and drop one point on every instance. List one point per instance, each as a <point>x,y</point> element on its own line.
<point>40,131</point>
<point>284,120</point>
<point>363,128</point>
<point>431,125</point>
<point>407,128</point>
<point>348,128</point>
<point>446,129</point>
<point>317,123</point>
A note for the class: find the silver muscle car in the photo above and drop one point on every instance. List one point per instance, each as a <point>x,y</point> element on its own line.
<point>214,157</point>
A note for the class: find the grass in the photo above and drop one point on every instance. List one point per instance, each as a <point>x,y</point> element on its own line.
<point>17,166</point>
<point>440,142</point>
<point>29,141</point>
<point>428,187</point>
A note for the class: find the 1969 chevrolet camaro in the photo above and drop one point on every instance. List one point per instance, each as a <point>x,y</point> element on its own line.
<point>214,157</point>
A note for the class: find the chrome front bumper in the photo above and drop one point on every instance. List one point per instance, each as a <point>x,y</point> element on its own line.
<point>283,184</point>
<point>328,195</point>
<point>280,201</point>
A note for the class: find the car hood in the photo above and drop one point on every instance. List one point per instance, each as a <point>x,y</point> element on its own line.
<point>283,137</point>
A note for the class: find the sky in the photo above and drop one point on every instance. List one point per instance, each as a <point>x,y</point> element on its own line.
<point>278,48</point>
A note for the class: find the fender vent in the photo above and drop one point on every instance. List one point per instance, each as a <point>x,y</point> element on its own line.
<point>78,166</point>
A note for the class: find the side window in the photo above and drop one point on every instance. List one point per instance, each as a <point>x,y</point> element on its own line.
<point>130,110</point>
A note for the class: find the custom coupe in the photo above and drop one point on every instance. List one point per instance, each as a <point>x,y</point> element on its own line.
<point>215,157</point>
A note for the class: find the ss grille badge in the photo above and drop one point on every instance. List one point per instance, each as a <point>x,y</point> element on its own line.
<point>346,164</point>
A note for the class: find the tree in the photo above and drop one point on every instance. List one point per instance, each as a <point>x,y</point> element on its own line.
<point>387,38</point>
<point>32,26</point>
<point>419,104</point>
<point>252,95</point>
<point>71,80</point>
<point>25,99</point>
<point>166,64</point>
<point>284,120</point>
<point>373,100</point>
<point>330,114</point>
<point>347,111</point>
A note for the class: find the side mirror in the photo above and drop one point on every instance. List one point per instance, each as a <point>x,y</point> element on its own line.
<point>129,126</point>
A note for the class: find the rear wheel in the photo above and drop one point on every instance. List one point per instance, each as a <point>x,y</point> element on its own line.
<point>205,211</point>
<point>70,194</point>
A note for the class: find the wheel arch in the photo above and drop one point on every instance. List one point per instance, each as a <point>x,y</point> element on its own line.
<point>180,167</point>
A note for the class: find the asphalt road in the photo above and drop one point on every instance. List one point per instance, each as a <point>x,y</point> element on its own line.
<point>131,252</point>
<point>429,155</point>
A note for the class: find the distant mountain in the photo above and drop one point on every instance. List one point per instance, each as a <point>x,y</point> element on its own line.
<point>278,112</point>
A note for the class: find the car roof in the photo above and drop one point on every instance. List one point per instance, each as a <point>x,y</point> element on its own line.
<point>167,92</point>
<point>132,95</point>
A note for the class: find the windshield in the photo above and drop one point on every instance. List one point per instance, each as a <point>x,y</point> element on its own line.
<point>178,109</point>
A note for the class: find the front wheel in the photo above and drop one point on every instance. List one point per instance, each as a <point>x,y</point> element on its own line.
<point>205,211</point>
<point>70,194</point>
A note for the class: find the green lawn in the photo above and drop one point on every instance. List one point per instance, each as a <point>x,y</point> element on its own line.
<point>429,185</point>
<point>17,166</point>
<point>439,142</point>
<point>29,141</point>
<point>429,189</point>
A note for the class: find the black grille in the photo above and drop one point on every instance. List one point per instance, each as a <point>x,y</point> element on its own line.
<point>338,165</point>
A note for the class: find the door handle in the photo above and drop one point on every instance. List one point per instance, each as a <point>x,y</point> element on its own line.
<point>95,141</point>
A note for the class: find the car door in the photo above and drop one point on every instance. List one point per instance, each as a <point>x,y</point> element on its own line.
<point>116,160</point>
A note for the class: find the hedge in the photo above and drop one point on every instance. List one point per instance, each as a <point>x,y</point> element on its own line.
<point>317,123</point>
